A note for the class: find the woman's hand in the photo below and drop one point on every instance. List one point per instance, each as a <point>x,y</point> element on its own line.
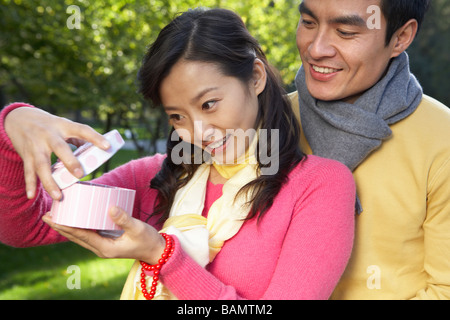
<point>139,241</point>
<point>35,134</point>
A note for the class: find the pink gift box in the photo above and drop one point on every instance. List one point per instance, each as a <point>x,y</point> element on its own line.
<point>90,158</point>
<point>84,204</point>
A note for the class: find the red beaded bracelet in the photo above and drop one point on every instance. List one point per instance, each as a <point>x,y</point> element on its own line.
<point>168,251</point>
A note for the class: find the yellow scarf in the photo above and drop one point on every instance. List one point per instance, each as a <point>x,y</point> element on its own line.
<point>202,238</point>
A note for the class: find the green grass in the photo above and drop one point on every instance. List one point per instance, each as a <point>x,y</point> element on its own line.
<point>42,272</point>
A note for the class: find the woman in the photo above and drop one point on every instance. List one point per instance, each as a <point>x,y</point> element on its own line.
<point>245,215</point>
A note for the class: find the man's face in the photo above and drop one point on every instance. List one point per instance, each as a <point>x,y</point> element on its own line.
<point>341,55</point>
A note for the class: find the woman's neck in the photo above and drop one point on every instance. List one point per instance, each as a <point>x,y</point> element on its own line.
<point>215,177</point>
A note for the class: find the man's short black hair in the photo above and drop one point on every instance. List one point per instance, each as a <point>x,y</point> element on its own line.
<point>398,12</point>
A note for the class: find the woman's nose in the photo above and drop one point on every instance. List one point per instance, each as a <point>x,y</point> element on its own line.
<point>203,131</point>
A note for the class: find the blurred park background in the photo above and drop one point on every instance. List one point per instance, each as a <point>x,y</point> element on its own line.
<point>86,69</point>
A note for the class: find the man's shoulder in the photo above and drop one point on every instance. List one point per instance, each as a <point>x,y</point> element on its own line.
<point>434,106</point>
<point>430,114</point>
<point>293,96</point>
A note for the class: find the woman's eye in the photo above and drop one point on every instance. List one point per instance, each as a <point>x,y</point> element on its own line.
<point>175,117</point>
<point>208,105</point>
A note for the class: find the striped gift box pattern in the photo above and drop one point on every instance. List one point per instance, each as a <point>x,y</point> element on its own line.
<point>86,205</point>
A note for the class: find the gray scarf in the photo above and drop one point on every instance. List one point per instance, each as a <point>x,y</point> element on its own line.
<point>350,132</point>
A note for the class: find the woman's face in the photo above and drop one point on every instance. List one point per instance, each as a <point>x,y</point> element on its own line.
<point>211,110</point>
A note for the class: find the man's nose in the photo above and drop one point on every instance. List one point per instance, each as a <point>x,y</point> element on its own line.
<point>321,46</point>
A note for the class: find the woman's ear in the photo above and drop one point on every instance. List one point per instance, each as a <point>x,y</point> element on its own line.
<point>259,76</point>
<point>404,37</point>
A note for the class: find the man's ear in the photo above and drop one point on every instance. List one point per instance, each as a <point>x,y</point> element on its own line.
<point>259,76</point>
<point>403,38</point>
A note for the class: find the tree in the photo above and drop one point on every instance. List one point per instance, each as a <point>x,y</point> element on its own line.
<point>83,56</point>
<point>430,60</point>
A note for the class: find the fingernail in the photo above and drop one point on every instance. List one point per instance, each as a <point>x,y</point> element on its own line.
<point>30,194</point>
<point>56,194</point>
<point>78,173</point>
<point>114,211</point>
<point>106,144</point>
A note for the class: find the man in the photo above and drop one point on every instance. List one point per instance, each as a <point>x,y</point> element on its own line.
<point>358,103</point>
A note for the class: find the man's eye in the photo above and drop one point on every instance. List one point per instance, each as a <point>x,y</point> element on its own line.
<point>307,23</point>
<point>346,34</point>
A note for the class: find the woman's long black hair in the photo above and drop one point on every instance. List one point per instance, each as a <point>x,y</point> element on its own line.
<point>220,37</point>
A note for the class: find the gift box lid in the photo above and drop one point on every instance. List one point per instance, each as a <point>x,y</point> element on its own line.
<point>90,157</point>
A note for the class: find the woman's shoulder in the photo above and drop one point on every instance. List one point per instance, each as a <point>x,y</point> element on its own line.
<point>146,166</point>
<point>140,170</point>
<point>154,161</point>
<point>323,183</point>
<point>315,169</point>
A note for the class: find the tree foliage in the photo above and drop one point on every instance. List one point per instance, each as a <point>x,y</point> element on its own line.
<point>429,54</point>
<point>92,70</point>
<point>46,62</point>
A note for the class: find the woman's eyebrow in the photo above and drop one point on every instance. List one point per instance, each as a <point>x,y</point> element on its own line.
<point>193,100</point>
<point>202,93</point>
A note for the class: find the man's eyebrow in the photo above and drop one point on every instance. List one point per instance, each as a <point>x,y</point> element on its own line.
<point>305,10</point>
<point>352,20</point>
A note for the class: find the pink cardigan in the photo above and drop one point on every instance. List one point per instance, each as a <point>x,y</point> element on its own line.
<point>298,250</point>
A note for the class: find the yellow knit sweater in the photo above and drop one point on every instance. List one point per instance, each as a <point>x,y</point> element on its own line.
<point>402,240</point>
